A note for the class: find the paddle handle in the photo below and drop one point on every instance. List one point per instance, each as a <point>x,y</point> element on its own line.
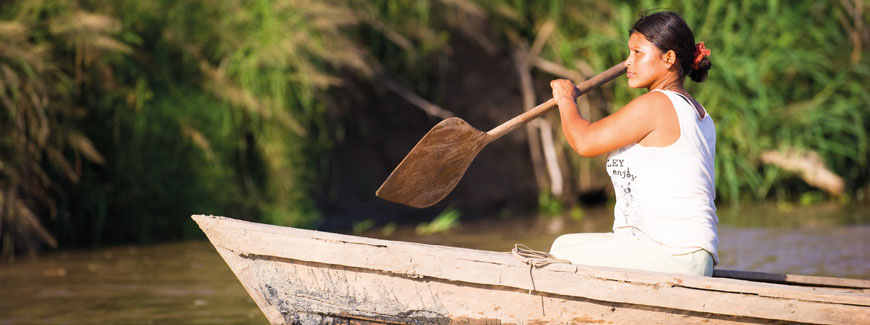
<point>582,88</point>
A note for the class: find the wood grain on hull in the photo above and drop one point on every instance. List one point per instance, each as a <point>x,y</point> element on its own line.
<point>302,276</point>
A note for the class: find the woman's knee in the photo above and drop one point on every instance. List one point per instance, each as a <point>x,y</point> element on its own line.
<point>571,240</point>
<point>706,264</point>
<point>559,242</point>
<point>696,263</point>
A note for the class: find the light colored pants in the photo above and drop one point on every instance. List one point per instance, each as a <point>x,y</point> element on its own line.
<point>607,249</point>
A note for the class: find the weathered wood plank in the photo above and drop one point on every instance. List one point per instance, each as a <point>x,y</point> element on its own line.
<point>313,293</point>
<point>793,279</point>
<point>408,251</point>
<point>737,298</point>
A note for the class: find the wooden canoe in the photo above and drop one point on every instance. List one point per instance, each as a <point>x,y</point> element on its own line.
<point>312,277</point>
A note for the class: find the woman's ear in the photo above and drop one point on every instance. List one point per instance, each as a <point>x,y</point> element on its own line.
<point>670,57</point>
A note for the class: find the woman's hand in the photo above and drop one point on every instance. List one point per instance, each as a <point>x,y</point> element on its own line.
<point>563,89</point>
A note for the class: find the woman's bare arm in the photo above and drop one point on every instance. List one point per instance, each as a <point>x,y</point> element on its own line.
<point>631,124</point>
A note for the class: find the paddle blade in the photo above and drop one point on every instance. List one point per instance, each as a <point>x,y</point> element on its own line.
<point>435,165</point>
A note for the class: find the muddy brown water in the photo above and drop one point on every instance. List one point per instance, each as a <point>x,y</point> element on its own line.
<point>188,283</point>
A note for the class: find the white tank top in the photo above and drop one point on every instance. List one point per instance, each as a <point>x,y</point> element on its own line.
<point>666,193</point>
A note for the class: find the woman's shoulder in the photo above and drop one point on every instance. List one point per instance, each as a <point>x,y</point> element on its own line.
<point>655,97</point>
<point>651,101</point>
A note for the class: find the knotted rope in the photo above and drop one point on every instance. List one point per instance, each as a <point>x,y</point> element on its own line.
<point>535,259</point>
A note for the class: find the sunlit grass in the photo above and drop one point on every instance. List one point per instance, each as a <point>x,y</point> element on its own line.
<point>444,221</point>
<point>785,75</point>
<point>121,118</point>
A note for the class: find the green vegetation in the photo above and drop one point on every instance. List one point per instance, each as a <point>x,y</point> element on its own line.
<point>785,75</point>
<point>362,226</point>
<point>549,205</point>
<point>389,229</point>
<point>576,213</point>
<point>446,220</point>
<point>118,119</point>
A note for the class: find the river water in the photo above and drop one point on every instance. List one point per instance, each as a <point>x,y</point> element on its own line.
<point>188,283</point>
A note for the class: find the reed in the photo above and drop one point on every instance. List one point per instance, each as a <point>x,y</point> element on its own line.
<point>40,146</point>
<point>123,115</point>
<point>785,75</point>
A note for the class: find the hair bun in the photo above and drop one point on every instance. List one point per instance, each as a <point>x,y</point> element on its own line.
<point>700,74</point>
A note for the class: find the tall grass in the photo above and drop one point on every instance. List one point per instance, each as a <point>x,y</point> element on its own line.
<point>785,75</point>
<point>47,54</point>
<point>120,118</point>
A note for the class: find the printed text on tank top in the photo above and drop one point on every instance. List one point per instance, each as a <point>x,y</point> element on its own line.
<point>664,193</point>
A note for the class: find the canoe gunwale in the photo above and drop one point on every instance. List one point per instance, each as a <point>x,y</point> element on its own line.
<point>531,292</point>
<point>641,288</point>
<point>792,279</point>
<point>504,259</point>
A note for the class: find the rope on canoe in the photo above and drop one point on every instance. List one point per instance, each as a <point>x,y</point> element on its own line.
<point>535,259</point>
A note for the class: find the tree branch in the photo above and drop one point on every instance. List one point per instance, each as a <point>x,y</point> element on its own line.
<point>809,165</point>
<point>413,98</point>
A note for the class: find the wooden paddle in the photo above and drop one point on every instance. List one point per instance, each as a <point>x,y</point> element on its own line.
<point>436,164</point>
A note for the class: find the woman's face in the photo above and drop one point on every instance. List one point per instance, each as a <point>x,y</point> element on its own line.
<point>646,63</point>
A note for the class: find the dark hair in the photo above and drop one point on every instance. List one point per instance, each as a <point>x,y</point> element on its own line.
<point>668,31</point>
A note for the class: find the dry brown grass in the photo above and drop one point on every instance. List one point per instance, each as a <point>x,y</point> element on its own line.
<point>36,91</point>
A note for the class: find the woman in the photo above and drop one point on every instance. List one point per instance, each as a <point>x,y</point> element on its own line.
<point>660,149</point>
